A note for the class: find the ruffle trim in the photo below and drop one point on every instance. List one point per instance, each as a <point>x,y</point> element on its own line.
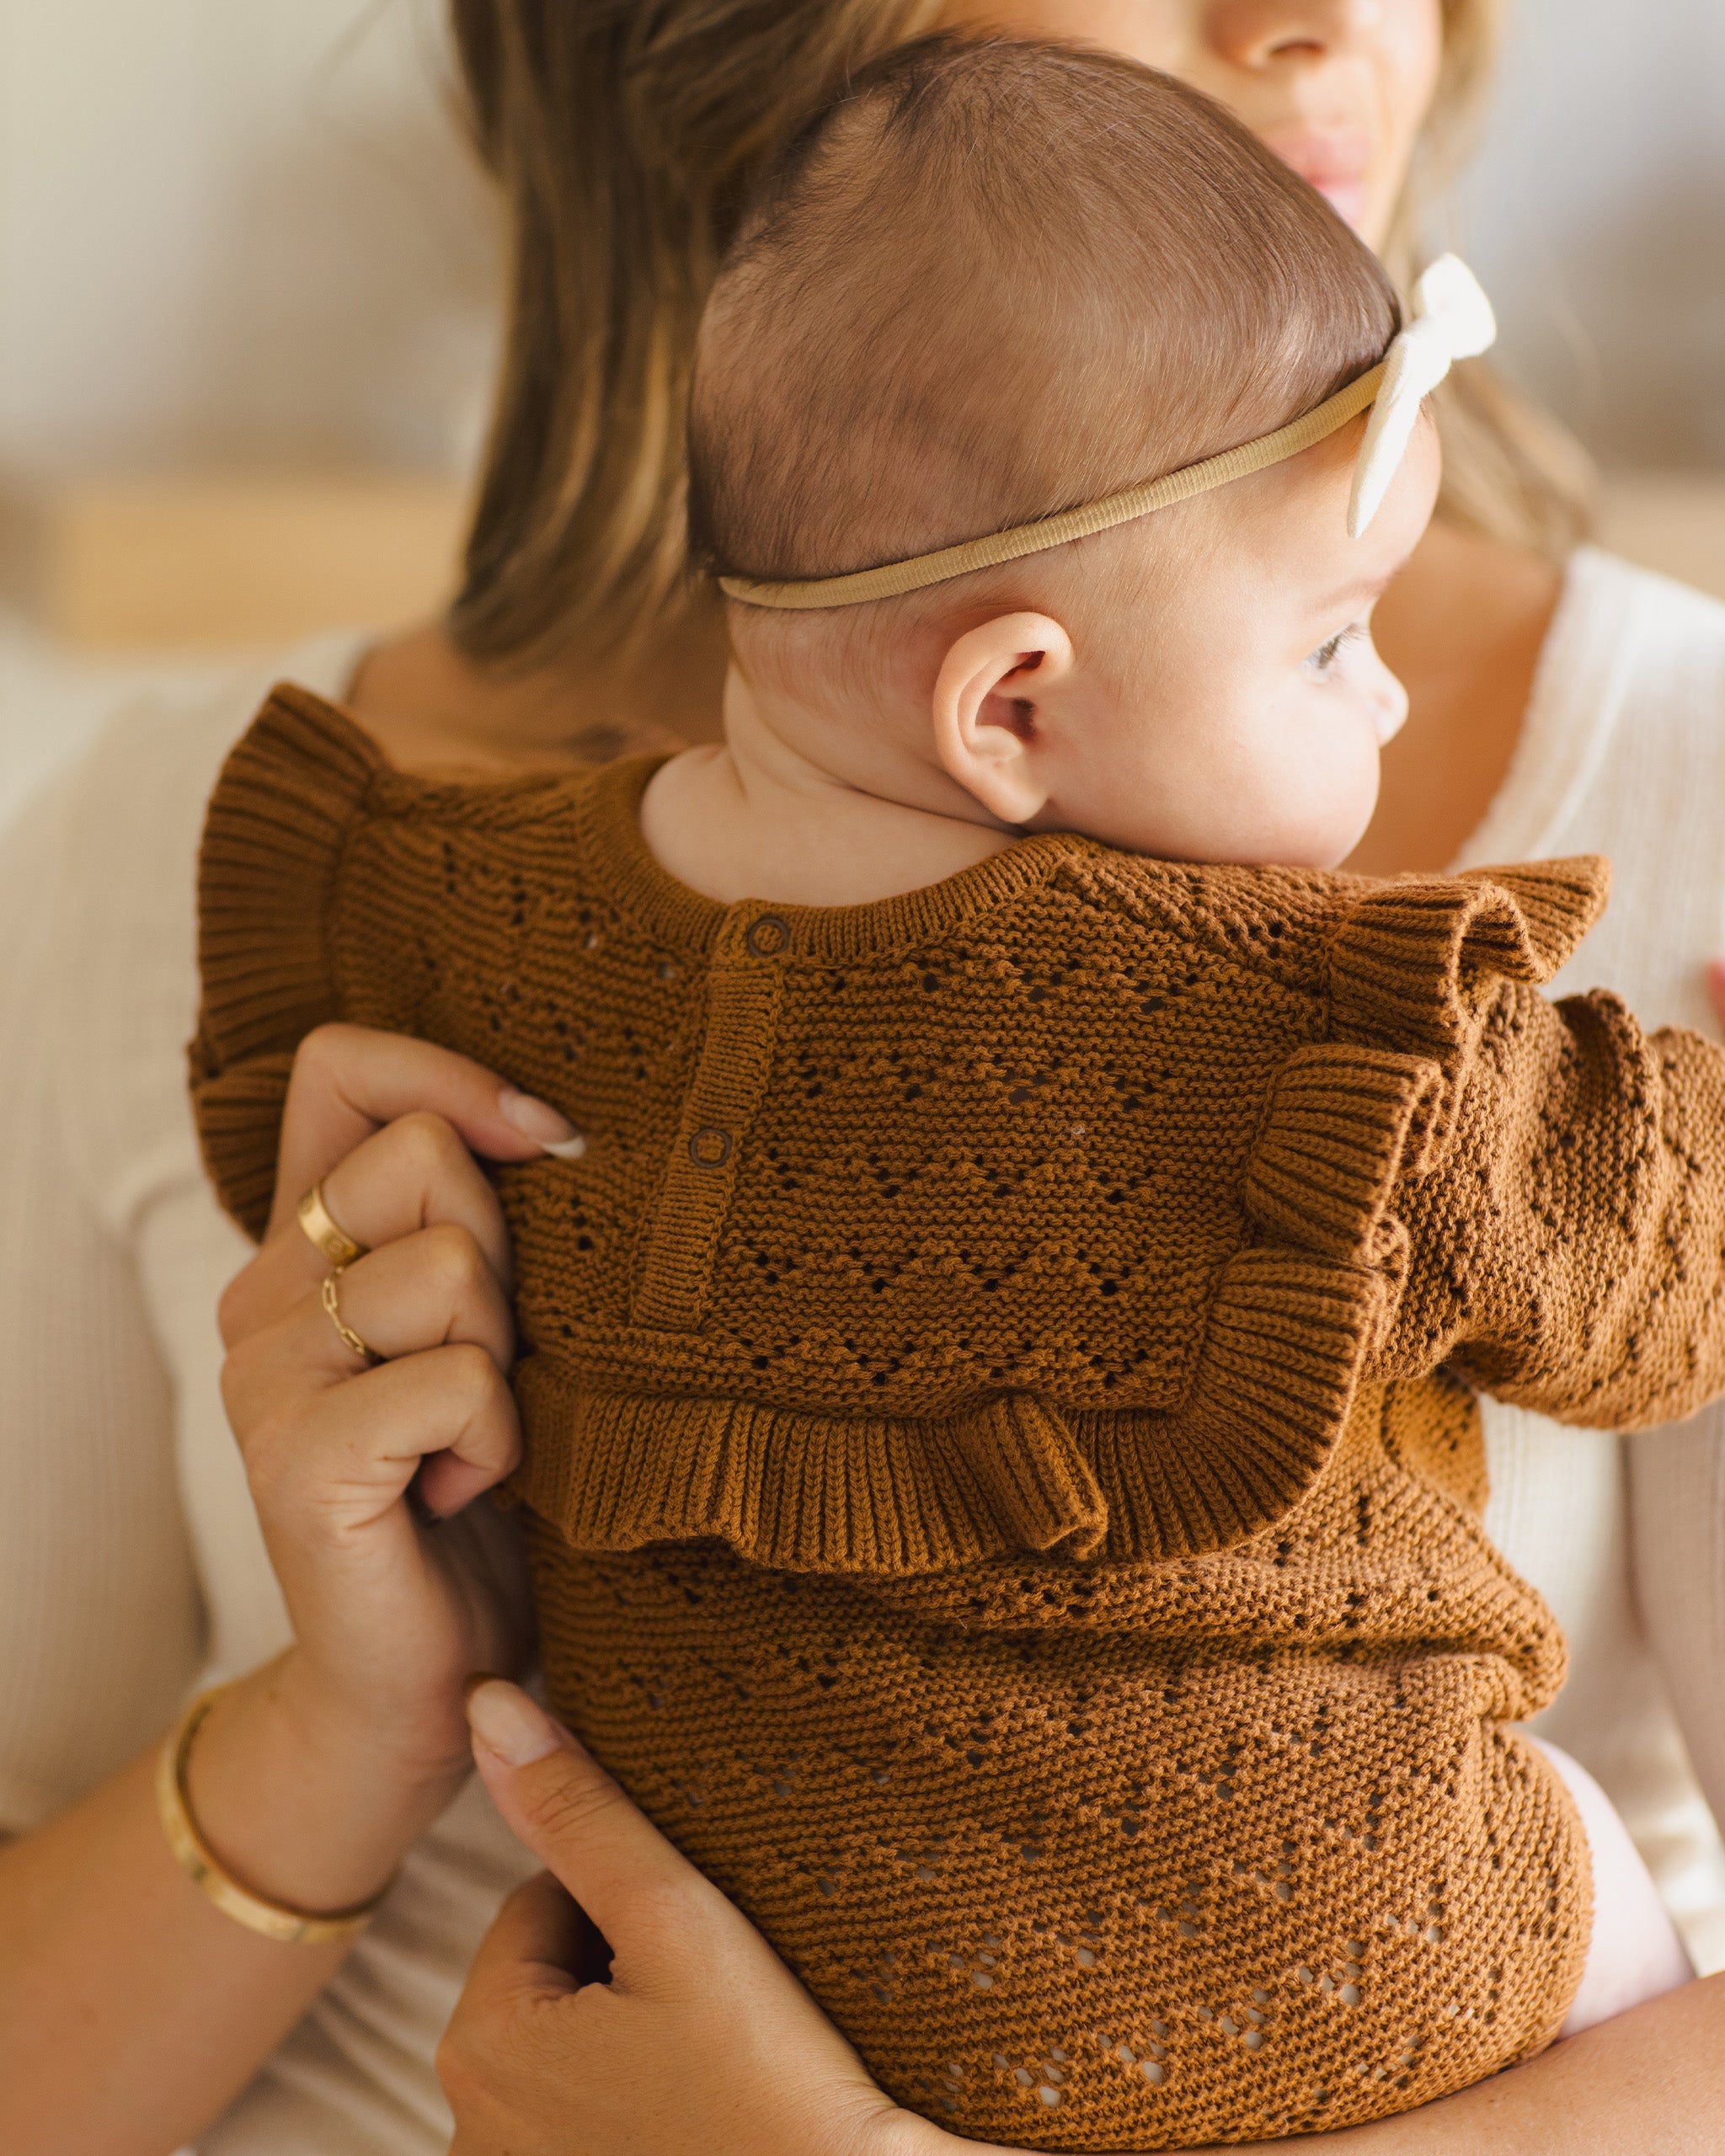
<point>1411,970</point>
<point>810,1493</point>
<point>1286,1333</point>
<point>1416,965</point>
<point>273,841</point>
<point>1414,968</point>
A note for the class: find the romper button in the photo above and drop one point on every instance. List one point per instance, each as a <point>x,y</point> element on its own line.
<point>767,937</point>
<point>710,1148</point>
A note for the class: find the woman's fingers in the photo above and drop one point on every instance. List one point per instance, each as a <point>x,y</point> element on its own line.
<point>415,1174</point>
<point>534,1950</point>
<point>573,1817</point>
<point>518,1988</point>
<point>1716,988</point>
<point>431,1289</point>
<point>431,1305</point>
<point>349,1081</point>
<point>338,1461</point>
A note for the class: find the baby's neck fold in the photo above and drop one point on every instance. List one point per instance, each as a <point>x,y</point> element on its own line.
<point>761,817</point>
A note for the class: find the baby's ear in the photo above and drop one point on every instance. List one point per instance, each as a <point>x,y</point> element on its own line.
<point>988,711</point>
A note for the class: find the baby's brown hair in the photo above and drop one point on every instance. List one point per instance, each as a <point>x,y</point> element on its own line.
<point>993,281</point>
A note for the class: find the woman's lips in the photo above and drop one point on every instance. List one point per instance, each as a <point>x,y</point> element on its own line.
<point>1338,166</point>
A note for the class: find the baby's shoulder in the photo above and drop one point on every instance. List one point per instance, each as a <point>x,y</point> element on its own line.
<point>309,821</point>
<point>1408,963</point>
<point>1276,922</point>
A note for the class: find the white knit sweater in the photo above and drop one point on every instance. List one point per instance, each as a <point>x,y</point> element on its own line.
<point>128,1556</point>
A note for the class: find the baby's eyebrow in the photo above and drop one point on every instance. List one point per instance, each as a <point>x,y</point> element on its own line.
<point>1358,588</point>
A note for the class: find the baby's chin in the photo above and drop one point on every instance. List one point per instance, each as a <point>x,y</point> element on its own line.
<point>1257,828</point>
<point>1323,851</point>
<point>1258,850</point>
<point>1321,840</point>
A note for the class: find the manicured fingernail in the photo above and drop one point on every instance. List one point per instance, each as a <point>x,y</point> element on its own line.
<point>470,1685</point>
<point>507,1722</point>
<point>537,1119</point>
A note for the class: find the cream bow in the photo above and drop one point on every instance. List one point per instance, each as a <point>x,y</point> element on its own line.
<point>1452,320</point>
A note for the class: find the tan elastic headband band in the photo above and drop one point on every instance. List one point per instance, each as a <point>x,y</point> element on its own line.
<point>895,579</point>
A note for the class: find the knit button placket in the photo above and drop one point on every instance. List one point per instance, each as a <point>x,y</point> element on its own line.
<point>736,1058</point>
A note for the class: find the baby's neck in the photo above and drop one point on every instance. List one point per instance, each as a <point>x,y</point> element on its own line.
<point>756,818</point>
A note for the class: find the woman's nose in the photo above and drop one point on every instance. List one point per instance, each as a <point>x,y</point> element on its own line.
<point>1259,33</point>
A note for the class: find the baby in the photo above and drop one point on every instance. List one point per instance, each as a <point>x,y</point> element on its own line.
<point>1003,1470</point>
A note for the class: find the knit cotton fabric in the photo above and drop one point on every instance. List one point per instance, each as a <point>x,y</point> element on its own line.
<point>1003,1474</point>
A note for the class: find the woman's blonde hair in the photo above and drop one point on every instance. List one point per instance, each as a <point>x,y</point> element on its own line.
<point>625,135</point>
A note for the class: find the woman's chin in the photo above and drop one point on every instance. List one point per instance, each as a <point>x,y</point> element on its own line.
<point>1350,199</point>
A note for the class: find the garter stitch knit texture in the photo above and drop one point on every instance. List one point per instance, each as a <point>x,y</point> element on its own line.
<point>1003,1475</point>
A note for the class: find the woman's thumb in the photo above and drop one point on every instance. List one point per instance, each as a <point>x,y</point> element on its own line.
<point>567,1810</point>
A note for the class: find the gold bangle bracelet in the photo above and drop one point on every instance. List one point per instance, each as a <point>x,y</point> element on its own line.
<point>273,1919</point>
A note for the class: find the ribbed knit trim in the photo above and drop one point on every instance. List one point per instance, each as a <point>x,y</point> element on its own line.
<point>1286,1336</point>
<point>833,1493</point>
<point>267,869</point>
<point>806,1492</point>
<point>1341,1122</point>
<point>1415,964</point>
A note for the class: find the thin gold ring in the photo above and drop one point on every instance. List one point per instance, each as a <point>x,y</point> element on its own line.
<point>325,1232</point>
<point>332,1303</point>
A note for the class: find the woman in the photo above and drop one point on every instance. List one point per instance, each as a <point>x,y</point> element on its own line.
<point>624,134</point>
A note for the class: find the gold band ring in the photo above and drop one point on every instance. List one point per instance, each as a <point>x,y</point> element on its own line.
<point>324,1232</point>
<point>332,1303</point>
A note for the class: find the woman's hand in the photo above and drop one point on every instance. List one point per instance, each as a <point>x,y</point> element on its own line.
<point>392,1604</point>
<point>1716,988</point>
<point>695,2042</point>
<point>133,2010</point>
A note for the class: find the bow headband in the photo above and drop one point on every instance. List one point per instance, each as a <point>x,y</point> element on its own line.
<point>1452,320</point>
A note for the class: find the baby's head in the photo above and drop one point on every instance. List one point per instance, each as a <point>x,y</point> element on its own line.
<point>996,282</point>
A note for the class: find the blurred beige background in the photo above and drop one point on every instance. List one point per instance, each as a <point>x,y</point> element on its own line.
<point>246,314</point>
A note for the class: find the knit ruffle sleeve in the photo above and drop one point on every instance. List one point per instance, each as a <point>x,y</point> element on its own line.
<point>271,854</point>
<point>1422,963</point>
<point>1566,1220</point>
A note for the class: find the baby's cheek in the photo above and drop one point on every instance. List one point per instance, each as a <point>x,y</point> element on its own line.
<point>1355,798</point>
<point>1323,796</point>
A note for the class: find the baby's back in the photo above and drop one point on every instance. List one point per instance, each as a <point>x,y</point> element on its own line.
<point>992,1491</point>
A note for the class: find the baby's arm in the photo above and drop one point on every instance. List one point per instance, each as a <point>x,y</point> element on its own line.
<point>1634,1953</point>
<point>1569,1244</point>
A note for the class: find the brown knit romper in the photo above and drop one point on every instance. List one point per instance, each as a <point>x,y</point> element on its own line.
<point>1003,1478</point>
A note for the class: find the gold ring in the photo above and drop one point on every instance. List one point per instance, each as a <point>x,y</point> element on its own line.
<point>332,1303</point>
<point>323,1232</point>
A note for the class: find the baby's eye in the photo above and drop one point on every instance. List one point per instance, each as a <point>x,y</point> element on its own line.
<point>1324,657</point>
